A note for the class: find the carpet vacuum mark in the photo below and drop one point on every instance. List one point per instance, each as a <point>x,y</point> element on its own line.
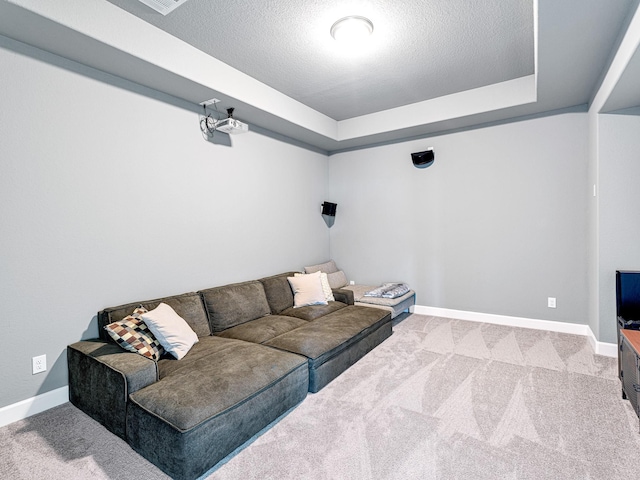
<point>440,399</point>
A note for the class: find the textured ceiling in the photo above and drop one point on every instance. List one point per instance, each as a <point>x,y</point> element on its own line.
<point>419,49</point>
<point>431,67</point>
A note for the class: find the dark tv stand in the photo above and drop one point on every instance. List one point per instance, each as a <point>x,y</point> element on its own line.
<point>630,361</point>
<point>630,370</point>
<point>628,328</point>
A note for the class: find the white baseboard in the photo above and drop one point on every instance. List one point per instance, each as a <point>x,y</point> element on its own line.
<point>603,348</point>
<point>600,348</point>
<point>31,406</point>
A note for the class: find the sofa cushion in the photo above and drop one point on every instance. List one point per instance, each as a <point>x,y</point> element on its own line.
<point>234,304</point>
<point>311,312</point>
<point>321,375</point>
<point>168,365</point>
<point>327,267</point>
<point>188,305</point>
<point>263,329</point>
<point>327,336</point>
<point>278,292</point>
<point>222,374</point>
<point>171,330</point>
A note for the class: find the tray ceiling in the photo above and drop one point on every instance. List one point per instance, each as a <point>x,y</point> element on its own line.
<point>431,66</point>
<point>418,51</point>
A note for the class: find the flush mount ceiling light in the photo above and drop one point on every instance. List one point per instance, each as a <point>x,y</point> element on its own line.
<point>352,29</point>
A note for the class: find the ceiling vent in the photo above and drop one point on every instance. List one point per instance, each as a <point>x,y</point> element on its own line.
<point>163,6</point>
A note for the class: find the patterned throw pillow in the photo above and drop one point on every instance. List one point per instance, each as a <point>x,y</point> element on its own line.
<point>133,335</point>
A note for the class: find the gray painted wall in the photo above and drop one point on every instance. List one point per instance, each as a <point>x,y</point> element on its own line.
<point>496,225</point>
<point>618,207</point>
<point>109,196</point>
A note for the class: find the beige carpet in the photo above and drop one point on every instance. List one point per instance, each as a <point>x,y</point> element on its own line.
<point>440,399</point>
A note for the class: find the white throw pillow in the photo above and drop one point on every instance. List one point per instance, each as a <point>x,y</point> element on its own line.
<point>307,290</point>
<point>328,293</point>
<point>171,330</point>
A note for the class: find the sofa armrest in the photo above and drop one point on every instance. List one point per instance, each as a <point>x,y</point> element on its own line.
<point>343,295</point>
<point>102,376</point>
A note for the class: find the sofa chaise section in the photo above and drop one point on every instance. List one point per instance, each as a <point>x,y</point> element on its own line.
<point>102,375</point>
<point>101,378</point>
<point>203,409</point>
<point>184,415</point>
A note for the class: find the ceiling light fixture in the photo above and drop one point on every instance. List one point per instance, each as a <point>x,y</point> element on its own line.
<point>352,29</point>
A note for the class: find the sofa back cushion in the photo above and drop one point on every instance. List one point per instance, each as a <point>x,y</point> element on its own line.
<point>327,267</point>
<point>278,292</point>
<point>188,305</point>
<point>234,304</point>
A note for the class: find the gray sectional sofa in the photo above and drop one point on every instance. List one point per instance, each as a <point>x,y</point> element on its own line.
<point>256,358</point>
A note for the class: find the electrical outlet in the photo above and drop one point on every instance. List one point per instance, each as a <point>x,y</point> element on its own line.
<point>551,302</point>
<point>39,364</point>
<point>352,282</point>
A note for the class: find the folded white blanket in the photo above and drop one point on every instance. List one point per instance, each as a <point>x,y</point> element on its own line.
<point>389,290</point>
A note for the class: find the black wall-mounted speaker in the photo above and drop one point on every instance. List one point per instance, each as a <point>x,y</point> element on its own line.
<point>329,208</point>
<point>423,159</point>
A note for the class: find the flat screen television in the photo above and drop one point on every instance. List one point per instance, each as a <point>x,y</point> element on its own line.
<point>628,298</point>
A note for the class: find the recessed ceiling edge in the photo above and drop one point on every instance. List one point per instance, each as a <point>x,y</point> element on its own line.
<point>163,6</point>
